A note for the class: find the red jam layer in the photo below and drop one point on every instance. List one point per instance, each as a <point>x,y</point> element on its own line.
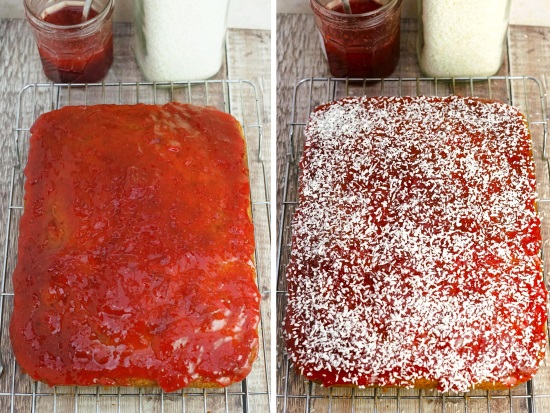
<point>136,249</point>
<point>415,257</point>
<point>68,16</point>
<point>358,6</point>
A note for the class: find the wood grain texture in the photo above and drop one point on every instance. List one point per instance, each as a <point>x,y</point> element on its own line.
<point>529,54</point>
<point>247,57</point>
<point>299,56</point>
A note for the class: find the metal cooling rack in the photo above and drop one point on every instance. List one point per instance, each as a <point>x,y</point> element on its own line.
<point>296,394</point>
<point>18,393</point>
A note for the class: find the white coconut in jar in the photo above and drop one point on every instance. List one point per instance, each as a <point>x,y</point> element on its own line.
<point>462,37</point>
<point>179,40</point>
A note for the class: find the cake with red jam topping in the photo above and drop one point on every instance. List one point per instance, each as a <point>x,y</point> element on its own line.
<point>415,258</point>
<point>136,249</point>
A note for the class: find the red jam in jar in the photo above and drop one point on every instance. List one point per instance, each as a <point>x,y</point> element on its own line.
<point>358,6</point>
<point>363,43</point>
<point>73,50</point>
<point>67,16</point>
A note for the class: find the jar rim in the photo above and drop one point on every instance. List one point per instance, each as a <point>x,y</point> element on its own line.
<point>332,13</point>
<point>37,20</point>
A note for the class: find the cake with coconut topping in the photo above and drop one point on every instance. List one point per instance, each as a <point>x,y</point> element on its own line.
<point>415,257</point>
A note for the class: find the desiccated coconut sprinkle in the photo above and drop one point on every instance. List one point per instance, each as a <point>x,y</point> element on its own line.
<point>415,254</point>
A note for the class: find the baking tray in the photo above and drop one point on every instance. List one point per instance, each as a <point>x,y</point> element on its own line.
<point>296,394</point>
<point>18,393</point>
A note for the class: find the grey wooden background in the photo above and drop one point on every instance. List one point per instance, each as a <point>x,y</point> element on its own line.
<point>247,57</point>
<point>299,56</point>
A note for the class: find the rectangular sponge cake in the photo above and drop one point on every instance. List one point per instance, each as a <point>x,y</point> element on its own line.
<point>136,249</point>
<point>415,257</point>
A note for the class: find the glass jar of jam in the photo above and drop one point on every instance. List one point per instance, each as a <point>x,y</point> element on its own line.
<point>73,49</point>
<point>464,38</point>
<point>362,41</point>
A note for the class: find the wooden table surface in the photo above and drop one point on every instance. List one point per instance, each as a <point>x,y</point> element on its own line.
<point>247,57</point>
<point>299,56</point>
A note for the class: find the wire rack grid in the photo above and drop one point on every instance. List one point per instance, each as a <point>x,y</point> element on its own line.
<point>295,393</point>
<point>18,393</point>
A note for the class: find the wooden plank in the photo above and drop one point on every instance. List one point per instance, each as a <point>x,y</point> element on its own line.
<point>247,54</point>
<point>530,55</point>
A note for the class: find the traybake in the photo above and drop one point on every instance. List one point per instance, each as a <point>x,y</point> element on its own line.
<point>136,249</point>
<point>415,251</point>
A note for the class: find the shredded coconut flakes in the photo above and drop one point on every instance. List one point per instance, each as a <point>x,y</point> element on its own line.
<point>416,246</point>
